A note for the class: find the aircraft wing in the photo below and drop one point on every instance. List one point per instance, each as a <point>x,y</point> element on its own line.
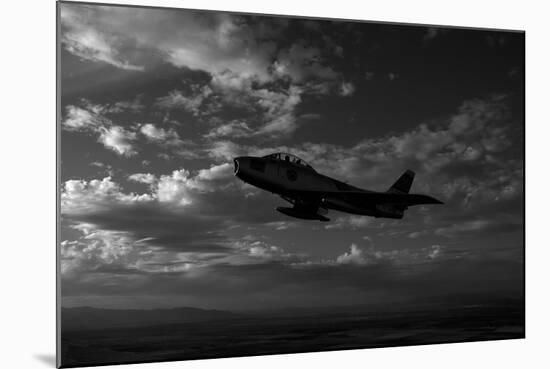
<point>405,199</point>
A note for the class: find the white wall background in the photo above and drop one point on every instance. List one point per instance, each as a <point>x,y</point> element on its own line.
<point>27,144</point>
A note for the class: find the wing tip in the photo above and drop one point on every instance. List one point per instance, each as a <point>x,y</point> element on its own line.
<point>429,200</point>
<point>436,201</point>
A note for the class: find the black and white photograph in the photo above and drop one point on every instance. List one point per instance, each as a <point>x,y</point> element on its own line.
<point>238,184</point>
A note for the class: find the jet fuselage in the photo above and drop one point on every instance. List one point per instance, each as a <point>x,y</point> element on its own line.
<point>312,193</point>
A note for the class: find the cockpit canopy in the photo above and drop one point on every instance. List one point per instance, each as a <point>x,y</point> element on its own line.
<point>282,156</point>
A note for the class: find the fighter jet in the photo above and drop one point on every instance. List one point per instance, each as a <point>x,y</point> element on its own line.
<point>312,194</point>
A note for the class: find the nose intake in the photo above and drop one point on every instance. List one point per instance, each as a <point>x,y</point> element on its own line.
<point>236,162</point>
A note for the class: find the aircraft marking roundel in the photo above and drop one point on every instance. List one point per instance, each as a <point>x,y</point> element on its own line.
<point>291,175</point>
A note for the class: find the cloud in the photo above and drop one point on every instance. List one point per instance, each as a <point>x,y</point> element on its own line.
<point>169,140</point>
<point>417,234</point>
<point>211,42</point>
<point>94,119</point>
<point>255,251</point>
<point>194,233</point>
<point>79,196</point>
<point>78,119</point>
<point>118,139</point>
<point>261,284</point>
<point>173,241</point>
<point>192,102</point>
<point>435,252</point>
<point>83,40</point>
<point>279,110</point>
<point>473,183</point>
<point>175,226</point>
<point>174,188</point>
<point>159,135</point>
<point>347,89</point>
<point>441,152</point>
<point>214,173</point>
<point>178,187</point>
<point>132,106</point>
<point>469,226</point>
<point>146,178</point>
<point>246,67</point>
<point>183,211</point>
<point>350,221</point>
<point>301,62</point>
<point>392,76</point>
<point>404,256</point>
<point>225,150</point>
<point>98,248</point>
<point>354,256</point>
<point>266,112</point>
<point>233,129</point>
<point>90,118</point>
<point>155,226</point>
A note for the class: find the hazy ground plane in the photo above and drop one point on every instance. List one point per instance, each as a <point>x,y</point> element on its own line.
<point>313,194</point>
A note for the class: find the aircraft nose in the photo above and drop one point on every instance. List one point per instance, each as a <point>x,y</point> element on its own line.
<point>236,162</point>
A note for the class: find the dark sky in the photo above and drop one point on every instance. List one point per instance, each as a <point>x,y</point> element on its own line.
<point>155,104</point>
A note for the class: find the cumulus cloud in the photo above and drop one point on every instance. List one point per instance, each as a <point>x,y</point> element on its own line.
<point>172,233</point>
<point>239,286</point>
<point>194,233</point>
<point>159,135</point>
<point>405,256</point>
<point>124,228</point>
<point>178,187</point>
<point>118,139</point>
<point>266,111</point>
<point>211,43</point>
<point>353,256</point>
<point>225,150</point>
<point>215,173</point>
<point>253,251</point>
<point>174,188</point>
<point>146,178</point>
<point>96,248</point>
<point>90,118</point>
<point>77,119</point>
<point>175,226</point>
<point>441,154</point>
<point>280,117</point>
<point>435,252</point>
<point>79,196</point>
<point>195,40</point>
<point>346,89</point>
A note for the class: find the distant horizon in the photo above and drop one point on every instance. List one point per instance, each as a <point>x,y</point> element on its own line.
<point>374,306</point>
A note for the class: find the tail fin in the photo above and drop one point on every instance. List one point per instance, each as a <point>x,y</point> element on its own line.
<point>403,184</point>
